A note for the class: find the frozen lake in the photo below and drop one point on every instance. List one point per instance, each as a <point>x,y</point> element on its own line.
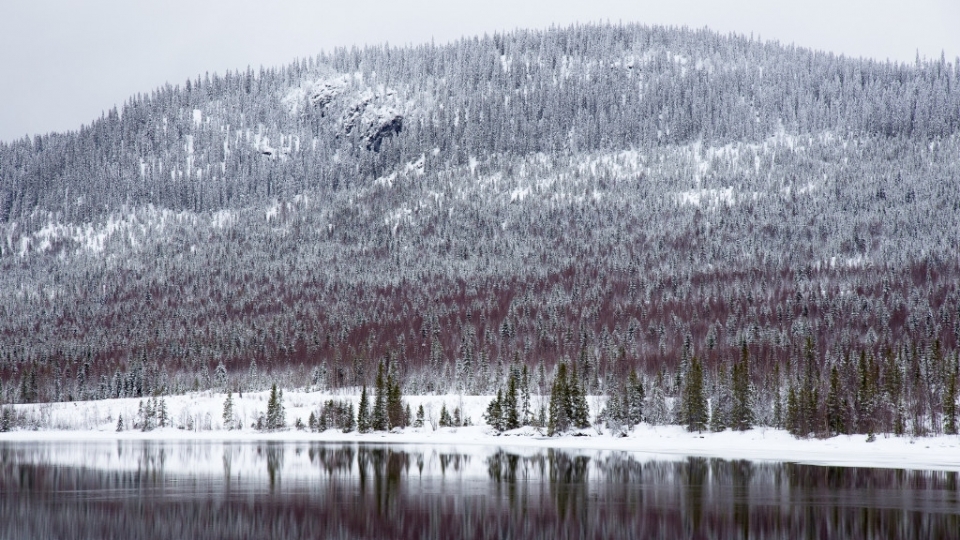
<point>213,489</point>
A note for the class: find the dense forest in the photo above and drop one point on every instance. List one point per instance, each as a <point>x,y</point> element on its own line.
<point>776,224</point>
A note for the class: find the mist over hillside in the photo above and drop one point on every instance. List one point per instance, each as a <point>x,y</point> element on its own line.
<point>614,196</point>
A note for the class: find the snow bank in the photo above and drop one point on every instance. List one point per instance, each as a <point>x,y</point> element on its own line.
<point>96,420</point>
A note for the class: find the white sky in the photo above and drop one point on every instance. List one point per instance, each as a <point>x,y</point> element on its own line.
<point>63,62</point>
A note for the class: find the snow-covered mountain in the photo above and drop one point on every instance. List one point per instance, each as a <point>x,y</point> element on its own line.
<point>616,195</point>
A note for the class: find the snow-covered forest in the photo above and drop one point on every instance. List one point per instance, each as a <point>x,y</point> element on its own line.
<point>780,222</point>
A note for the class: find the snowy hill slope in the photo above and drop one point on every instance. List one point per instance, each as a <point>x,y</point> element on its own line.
<point>625,196</point>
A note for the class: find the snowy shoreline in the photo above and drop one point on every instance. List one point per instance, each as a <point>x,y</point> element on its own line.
<point>93,421</point>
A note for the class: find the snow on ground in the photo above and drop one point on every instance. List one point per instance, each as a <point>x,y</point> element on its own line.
<point>97,420</point>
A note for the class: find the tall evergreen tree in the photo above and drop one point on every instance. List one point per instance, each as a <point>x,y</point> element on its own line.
<point>741,413</point>
<point>560,420</point>
<point>659,411</point>
<point>635,398</point>
<point>228,422</point>
<point>378,419</point>
<point>276,417</point>
<point>694,399</point>
<point>494,413</point>
<point>835,413</point>
<point>950,426</point>
<point>511,416</point>
<point>363,412</point>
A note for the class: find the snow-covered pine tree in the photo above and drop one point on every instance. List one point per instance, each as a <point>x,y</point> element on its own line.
<point>418,422</point>
<point>494,412</point>
<point>694,404</point>
<point>228,422</point>
<point>742,416</point>
<point>363,412</point>
<point>276,417</point>
<point>659,412</point>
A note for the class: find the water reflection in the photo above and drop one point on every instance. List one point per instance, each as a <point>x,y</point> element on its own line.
<point>271,489</point>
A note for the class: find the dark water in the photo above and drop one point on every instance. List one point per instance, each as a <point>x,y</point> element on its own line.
<point>181,490</point>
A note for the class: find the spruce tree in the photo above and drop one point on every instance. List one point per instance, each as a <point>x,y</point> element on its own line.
<point>778,420</point>
<point>276,417</point>
<point>659,412</point>
<point>721,403</point>
<point>577,409</point>
<point>835,413</point>
<point>694,400</point>
<point>792,421</point>
<point>445,419</point>
<point>866,400</point>
<point>741,413</point>
<point>349,420</point>
<point>526,414</point>
<point>511,416</point>
<point>228,411</point>
<point>418,423</point>
<point>163,418</point>
<point>363,413</point>
<point>950,426</point>
<point>220,375</point>
<point>494,413</point>
<point>560,402</point>
<point>635,395</point>
<point>396,417</point>
<point>379,420</point>
<point>615,416</point>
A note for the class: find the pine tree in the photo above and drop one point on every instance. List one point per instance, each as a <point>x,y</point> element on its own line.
<point>349,420</point>
<point>950,426</point>
<point>120,423</point>
<point>379,420</point>
<point>511,416</point>
<point>526,414</point>
<point>741,413</point>
<point>396,417</point>
<point>659,412</point>
<point>636,395</point>
<point>445,419</point>
<point>6,418</point>
<point>615,415</point>
<point>220,375</point>
<point>149,415</point>
<point>721,403</point>
<point>694,400</point>
<point>228,411</point>
<point>140,421</point>
<point>835,413</point>
<point>866,399</point>
<point>276,417</point>
<point>560,402</point>
<point>494,413</point>
<point>163,419</point>
<point>778,420</point>
<point>363,413</point>
<point>577,409</point>
<point>418,423</point>
<point>792,421</point>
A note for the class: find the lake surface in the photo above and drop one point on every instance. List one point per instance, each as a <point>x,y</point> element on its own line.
<point>145,489</point>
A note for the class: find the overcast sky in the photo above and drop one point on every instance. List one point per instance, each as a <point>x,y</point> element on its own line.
<point>63,62</point>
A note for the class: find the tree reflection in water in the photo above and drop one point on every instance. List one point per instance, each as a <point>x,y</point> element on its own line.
<point>136,490</point>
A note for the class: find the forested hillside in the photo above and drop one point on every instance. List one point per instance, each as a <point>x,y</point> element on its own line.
<point>612,197</point>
